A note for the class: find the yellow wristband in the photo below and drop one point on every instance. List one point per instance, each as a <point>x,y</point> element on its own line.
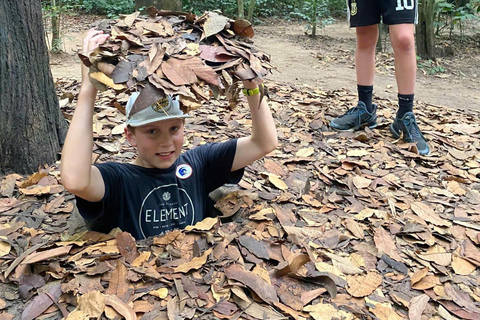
<point>251,92</point>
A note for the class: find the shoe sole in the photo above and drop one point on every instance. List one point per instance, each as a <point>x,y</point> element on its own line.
<point>371,126</point>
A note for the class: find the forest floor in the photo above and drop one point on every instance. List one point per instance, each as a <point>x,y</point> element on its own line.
<point>365,205</point>
<point>327,62</point>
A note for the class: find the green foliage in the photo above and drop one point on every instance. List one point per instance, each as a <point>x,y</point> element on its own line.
<point>272,8</point>
<point>52,12</point>
<point>227,7</point>
<point>317,13</point>
<point>450,14</point>
<point>430,67</point>
<point>286,9</point>
<point>111,8</point>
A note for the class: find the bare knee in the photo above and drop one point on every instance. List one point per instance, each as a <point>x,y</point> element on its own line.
<point>403,42</point>
<point>367,37</point>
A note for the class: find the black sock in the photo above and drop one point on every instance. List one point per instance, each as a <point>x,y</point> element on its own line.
<point>405,104</point>
<point>365,94</point>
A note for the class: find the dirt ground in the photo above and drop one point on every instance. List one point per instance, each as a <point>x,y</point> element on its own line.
<point>327,62</point>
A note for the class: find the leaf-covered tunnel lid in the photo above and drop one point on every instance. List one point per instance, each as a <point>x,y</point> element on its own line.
<point>179,54</point>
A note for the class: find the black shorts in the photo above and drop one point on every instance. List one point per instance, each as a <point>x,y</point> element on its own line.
<point>363,13</point>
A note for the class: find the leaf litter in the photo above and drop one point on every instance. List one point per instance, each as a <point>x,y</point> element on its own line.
<point>176,53</point>
<point>362,228</point>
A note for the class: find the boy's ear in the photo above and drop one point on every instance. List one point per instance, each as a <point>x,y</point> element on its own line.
<point>130,135</point>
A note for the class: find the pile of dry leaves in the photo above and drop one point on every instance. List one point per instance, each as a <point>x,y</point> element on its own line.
<point>176,53</point>
<point>329,226</point>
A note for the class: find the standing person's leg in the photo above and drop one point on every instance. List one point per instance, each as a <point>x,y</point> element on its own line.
<point>401,16</point>
<point>403,43</point>
<point>365,63</point>
<point>364,15</point>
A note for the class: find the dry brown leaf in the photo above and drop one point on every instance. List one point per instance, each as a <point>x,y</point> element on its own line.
<point>361,182</point>
<point>455,188</point>
<point>141,259</point>
<point>168,238</point>
<point>419,275</point>
<point>462,266</point>
<point>305,152</point>
<point>77,315</point>
<point>460,155</point>
<point>161,293</point>
<point>276,181</point>
<point>363,285</point>
<point>343,264</point>
<point>121,307</point>
<point>425,212</point>
<point>204,225</point>
<point>195,263</point>
<point>426,282</point>
<point>45,255</point>
<point>357,153</point>
<point>102,78</point>
<point>5,247</point>
<point>214,24</point>
<point>119,283</point>
<point>355,228</point>
<point>243,28</point>
<point>323,311</point>
<point>92,304</point>
<point>33,179</point>
<point>445,314</point>
<point>385,243</point>
<point>438,255</point>
<point>417,306</point>
<point>261,287</point>
<point>127,246</point>
<point>383,311</point>
<point>308,296</point>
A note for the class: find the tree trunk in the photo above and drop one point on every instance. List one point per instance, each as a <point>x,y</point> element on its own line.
<point>241,9</point>
<point>314,19</point>
<point>425,31</point>
<point>56,39</point>
<point>171,5</point>
<point>382,34</point>
<point>33,127</point>
<point>251,7</point>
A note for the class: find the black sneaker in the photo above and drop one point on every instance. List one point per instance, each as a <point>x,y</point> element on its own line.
<point>411,132</point>
<point>356,118</point>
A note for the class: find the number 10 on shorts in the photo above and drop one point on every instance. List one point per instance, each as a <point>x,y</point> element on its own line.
<point>405,4</point>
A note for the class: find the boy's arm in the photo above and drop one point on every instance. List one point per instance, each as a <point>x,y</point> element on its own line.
<point>78,174</point>
<point>263,139</point>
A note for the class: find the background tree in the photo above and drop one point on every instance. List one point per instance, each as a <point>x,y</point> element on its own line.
<point>33,127</point>
<point>173,5</point>
<point>251,7</point>
<point>56,39</point>
<point>241,9</point>
<point>425,30</point>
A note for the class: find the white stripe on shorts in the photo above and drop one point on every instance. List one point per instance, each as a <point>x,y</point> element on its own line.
<point>416,12</point>
<point>348,13</point>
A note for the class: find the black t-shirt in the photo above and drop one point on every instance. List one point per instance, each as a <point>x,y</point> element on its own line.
<point>151,201</point>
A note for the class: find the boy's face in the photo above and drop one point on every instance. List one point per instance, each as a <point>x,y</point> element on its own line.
<point>158,144</point>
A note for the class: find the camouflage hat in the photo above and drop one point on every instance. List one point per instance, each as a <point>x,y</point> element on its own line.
<point>164,109</point>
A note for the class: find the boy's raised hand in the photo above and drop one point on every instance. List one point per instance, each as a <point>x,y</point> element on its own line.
<point>92,40</point>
